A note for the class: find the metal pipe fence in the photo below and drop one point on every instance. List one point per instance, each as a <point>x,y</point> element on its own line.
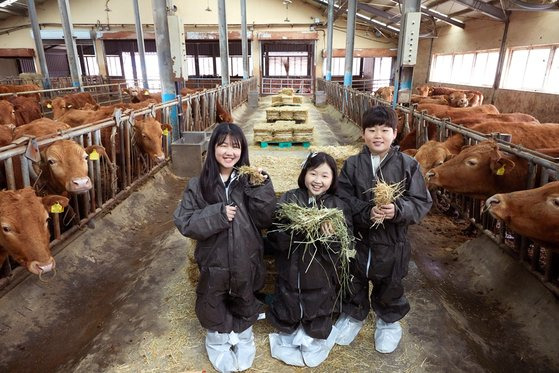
<point>542,262</point>
<point>125,166</point>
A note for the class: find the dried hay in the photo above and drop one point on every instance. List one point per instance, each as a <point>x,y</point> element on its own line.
<point>287,91</point>
<point>340,152</point>
<point>310,222</point>
<point>283,171</point>
<point>255,177</point>
<point>384,194</point>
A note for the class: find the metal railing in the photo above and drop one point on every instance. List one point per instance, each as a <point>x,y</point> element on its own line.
<point>114,177</point>
<point>541,262</point>
<point>271,86</point>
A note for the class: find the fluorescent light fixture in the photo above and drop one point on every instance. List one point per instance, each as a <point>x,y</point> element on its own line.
<point>5,3</point>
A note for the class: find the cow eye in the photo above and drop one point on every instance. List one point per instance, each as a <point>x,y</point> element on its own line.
<point>555,201</point>
<point>51,161</point>
<point>438,163</point>
<point>6,228</point>
<point>471,162</point>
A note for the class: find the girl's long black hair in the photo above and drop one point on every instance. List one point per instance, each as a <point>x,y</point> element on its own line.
<point>210,181</point>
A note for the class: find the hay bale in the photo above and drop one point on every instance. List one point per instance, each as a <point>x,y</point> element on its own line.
<point>272,114</point>
<point>286,91</point>
<point>263,132</point>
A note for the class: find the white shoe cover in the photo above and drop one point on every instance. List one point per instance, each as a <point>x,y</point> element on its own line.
<point>315,351</point>
<point>387,336</point>
<point>244,349</point>
<point>347,328</point>
<point>219,351</point>
<point>282,347</point>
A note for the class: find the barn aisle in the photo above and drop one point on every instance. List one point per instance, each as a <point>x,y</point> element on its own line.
<point>123,299</point>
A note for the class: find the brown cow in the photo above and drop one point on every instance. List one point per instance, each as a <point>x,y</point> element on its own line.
<point>533,213</point>
<point>424,90</point>
<point>148,134</point>
<point>222,115</point>
<point>506,117</point>
<point>458,99</point>
<point>77,117</point>
<point>482,170</point>
<point>385,93</point>
<point>26,109</point>
<point>22,88</point>
<point>72,101</point>
<point>40,128</point>
<point>7,113</point>
<point>138,94</point>
<point>442,111</point>
<point>432,153</point>
<point>185,91</point>
<point>475,98</point>
<point>25,234</point>
<point>6,134</point>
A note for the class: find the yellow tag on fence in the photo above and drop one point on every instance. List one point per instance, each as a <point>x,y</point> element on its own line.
<point>165,132</point>
<point>57,208</point>
<point>501,171</point>
<point>94,156</point>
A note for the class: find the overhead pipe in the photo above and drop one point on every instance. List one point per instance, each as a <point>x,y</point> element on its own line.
<point>38,43</point>
<point>223,43</point>
<point>140,40</point>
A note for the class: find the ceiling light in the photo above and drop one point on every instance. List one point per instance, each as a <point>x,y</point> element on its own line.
<point>6,3</point>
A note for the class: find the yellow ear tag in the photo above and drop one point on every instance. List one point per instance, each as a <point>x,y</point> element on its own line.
<point>146,93</point>
<point>57,208</point>
<point>165,132</point>
<point>501,171</point>
<point>49,105</point>
<point>94,156</point>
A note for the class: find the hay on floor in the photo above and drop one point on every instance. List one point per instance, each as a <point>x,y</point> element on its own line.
<point>283,171</point>
<point>340,152</point>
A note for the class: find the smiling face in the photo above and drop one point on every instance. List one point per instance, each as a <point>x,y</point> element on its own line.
<point>227,154</point>
<point>318,180</point>
<point>379,138</point>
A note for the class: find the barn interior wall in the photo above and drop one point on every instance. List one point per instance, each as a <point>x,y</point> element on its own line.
<point>525,29</point>
<point>8,66</point>
<point>262,15</point>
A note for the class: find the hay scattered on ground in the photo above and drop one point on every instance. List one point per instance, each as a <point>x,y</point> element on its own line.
<point>340,152</point>
<point>283,171</point>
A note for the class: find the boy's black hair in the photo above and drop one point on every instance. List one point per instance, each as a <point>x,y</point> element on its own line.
<point>313,161</point>
<point>209,177</point>
<point>379,115</point>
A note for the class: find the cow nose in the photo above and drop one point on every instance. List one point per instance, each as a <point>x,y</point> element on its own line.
<point>81,182</point>
<point>159,158</point>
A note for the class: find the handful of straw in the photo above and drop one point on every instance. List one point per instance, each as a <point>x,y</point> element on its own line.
<point>255,177</point>
<point>385,194</point>
<point>308,222</point>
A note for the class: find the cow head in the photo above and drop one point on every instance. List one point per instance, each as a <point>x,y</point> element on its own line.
<point>424,90</point>
<point>149,133</point>
<point>7,113</point>
<point>65,163</point>
<point>474,171</point>
<point>385,93</point>
<point>6,134</point>
<point>458,99</point>
<point>24,233</point>
<point>533,213</point>
<point>431,154</point>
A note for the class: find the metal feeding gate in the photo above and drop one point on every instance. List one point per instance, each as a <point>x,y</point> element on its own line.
<point>540,261</point>
<point>117,174</point>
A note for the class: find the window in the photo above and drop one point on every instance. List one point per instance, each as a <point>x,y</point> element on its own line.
<point>206,66</point>
<point>235,66</point>
<point>476,68</point>
<point>113,66</point>
<point>532,69</point>
<point>91,66</point>
<point>382,71</point>
<point>191,65</point>
<point>338,66</point>
<point>288,64</point>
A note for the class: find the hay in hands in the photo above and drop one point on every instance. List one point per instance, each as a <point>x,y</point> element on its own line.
<point>255,177</point>
<point>385,194</point>
<point>308,221</point>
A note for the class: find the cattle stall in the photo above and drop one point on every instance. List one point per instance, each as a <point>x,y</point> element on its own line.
<point>540,261</point>
<point>117,173</point>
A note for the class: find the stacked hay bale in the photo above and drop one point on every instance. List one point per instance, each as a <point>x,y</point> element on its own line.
<point>286,97</point>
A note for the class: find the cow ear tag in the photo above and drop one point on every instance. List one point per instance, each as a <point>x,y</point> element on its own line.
<point>57,208</point>
<point>32,152</point>
<point>94,156</point>
<point>146,93</point>
<point>501,171</point>
<point>165,132</point>
<point>49,105</point>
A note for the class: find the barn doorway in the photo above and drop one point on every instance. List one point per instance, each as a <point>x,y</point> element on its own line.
<point>288,64</point>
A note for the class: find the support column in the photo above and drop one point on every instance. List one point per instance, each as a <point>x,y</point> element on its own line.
<point>223,43</point>
<point>141,48</point>
<point>163,46</point>
<point>244,38</point>
<point>38,43</point>
<point>71,50</point>
<point>100,55</point>
<point>408,43</point>
<point>349,42</point>
<point>330,40</point>
<point>256,58</point>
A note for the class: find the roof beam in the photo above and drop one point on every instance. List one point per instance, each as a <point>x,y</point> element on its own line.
<point>341,10</point>
<point>443,18</point>
<point>4,10</point>
<point>395,18</point>
<point>487,9</point>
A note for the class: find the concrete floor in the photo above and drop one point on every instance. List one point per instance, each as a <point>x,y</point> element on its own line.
<point>124,295</point>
